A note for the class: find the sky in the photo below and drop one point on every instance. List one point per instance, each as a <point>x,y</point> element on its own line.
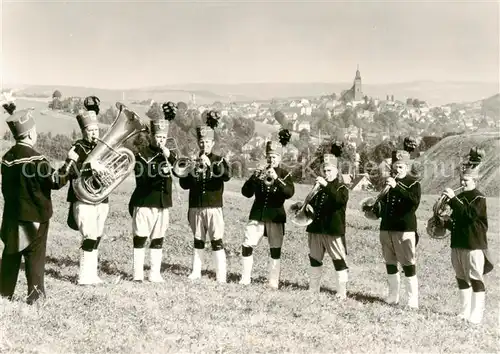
<point>118,45</point>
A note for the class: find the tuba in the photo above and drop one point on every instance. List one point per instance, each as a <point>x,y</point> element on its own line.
<point>440,211</point>
<point>304,213</point>
<point>110,162</point>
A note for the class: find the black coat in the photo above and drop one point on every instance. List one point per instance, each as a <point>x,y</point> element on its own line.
<point>469,221</point>
<point>206,189</point>
<point>329,207</point>
<point>399,206</point>
<point>269,200</point>
<point>27,182</point>
<point>153,187</point>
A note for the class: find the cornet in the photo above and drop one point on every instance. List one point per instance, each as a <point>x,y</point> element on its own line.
<point>186,165</point>
<point>441,210</point>
<point>264,175</point>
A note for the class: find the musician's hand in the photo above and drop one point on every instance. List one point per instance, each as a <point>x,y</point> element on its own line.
<point>321,181</point>
<point>205,160</point>
<point>449,193</point>
<point>272,173</point>
<point>165,169</point>
<point>72,155</point>
<point>391,182</point>
<point>165,151</point>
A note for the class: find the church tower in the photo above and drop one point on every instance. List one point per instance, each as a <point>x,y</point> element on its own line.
<point>358,92</point>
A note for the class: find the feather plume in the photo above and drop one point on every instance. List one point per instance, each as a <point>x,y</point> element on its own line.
<point>9,107</point>
<point>281,119</point>
<point>476,155</point>
<point>213,118</point>
<point>409,144</point>
<point>169,110</point>
<point>337,148</point>
<point>284,136</point>
<point>91,103</point>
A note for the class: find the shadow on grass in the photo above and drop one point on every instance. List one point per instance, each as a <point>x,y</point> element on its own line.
<point>110,268</point>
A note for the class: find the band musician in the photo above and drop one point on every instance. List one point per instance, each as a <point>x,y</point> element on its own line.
<point>267,217</point>
<point>206,187</point>
<point>88,219</point>
<point>470,259</point>
<point>398,228</point>
<point>326,232</point>
<point>151,200</point>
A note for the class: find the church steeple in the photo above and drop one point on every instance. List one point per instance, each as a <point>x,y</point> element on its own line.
<point>358,74</point>
<point>358,92</point>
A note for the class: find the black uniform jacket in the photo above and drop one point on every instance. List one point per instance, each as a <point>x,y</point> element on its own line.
<point>269,200</point>
<point>27,181</point>
<point>469,221</point>
<point>469,224</point>
<point>83,148</point>
<point>206,189</point>
<point>329,206</point>
<point>153,179</point>
<point>398,207</point>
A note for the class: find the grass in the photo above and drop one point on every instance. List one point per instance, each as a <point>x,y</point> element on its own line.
<point>204,316</point>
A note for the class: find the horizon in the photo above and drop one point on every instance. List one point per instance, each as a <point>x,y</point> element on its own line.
<point>235,43</point>
<point>180,85</point>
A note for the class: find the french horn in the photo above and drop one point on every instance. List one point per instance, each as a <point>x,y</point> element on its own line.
<point>110,162</point>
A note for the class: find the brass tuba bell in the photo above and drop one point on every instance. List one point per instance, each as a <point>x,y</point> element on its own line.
<point>110,162</point>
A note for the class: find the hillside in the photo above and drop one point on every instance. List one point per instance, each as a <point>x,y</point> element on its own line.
<point>158,94</point>
<point>47,120</point>
<point>442,162</point>
<point>435,93</point>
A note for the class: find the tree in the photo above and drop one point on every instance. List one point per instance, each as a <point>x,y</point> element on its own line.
<point>57,94</point>
<point>383,151</point>
<point>244,129</point>
<point>218,105</point>
<point>304,135</point>
<point>155,112</point>
<point>409,101</point>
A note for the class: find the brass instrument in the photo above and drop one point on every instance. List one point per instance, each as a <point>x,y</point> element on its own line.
<point>183,166</point>
<point>440,211</point>
<point>110,162</point>
<point>263,175</point>
<point>304,213</point>
<point>369,204</point>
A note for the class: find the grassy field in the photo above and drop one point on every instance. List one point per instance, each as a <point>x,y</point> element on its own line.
<point>204,316</point>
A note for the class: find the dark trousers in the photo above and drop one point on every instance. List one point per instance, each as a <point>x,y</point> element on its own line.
<point>34,265</point>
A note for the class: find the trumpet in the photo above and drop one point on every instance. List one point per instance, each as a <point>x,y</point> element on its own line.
<point>185,165</point>
<point>264,176</point>
<point>440,211</point>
